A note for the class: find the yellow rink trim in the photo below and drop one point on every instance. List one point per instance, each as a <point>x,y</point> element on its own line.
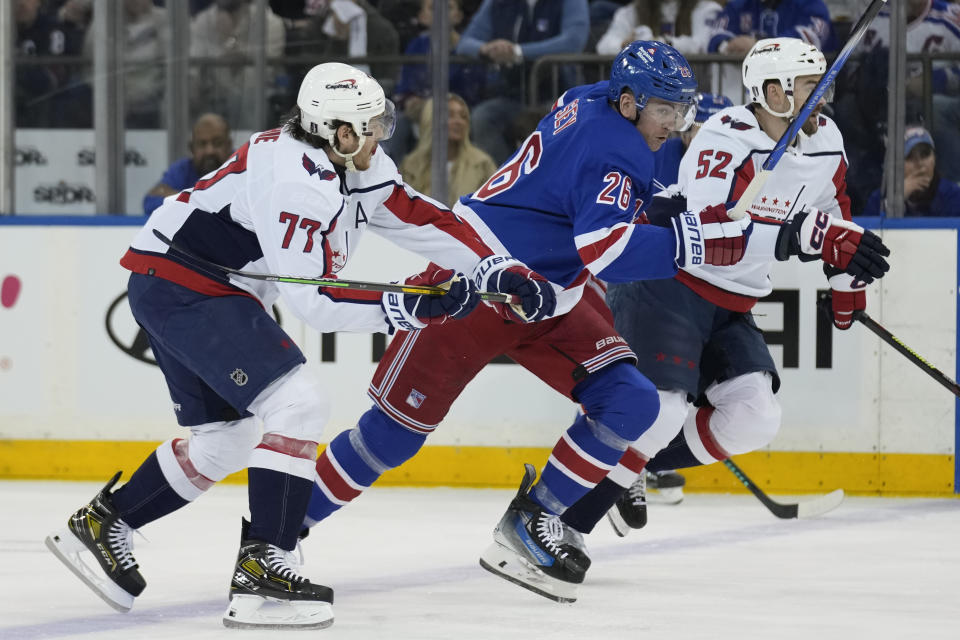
<point>785,472</point>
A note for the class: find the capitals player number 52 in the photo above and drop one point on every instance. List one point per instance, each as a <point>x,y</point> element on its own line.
<point>523,162</point>
<point>720,160</point>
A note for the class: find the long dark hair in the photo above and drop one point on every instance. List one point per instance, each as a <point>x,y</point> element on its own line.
<point>649,11</point>
<point>290,123</point>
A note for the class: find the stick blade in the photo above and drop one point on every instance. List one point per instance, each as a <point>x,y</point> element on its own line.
<point>821,505</point>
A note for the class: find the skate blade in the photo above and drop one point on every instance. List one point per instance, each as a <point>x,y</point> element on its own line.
<point>70,550</point>
<point>620,526</point>
<point>510,566</point>
<point>256,612</point>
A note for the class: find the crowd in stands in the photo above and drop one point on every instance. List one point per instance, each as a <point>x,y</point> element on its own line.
<point>495,43</point>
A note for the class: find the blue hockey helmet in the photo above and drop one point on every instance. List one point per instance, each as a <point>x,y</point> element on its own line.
<point>709,104</point>
<point>652,69</point>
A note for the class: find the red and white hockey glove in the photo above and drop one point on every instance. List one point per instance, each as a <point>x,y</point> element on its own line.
<point>848,297</point>
<point>503,274</point>
<point>412,311</point>
<point>710,237</point>
<point>816,235</point>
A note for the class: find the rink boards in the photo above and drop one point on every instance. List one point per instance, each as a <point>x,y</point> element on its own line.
<point>80,395</point>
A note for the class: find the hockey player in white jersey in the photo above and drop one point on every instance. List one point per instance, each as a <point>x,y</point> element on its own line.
<point>295,200</point>
<point>694,335</point>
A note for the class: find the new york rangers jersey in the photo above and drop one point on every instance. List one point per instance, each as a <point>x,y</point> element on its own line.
<point>565,203</point>
<point>808,20</point>
<point>935,30</point>
<point>719,164</point>
<point>280,206</point>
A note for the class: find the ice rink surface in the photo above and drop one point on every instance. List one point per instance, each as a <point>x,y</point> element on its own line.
<point>403,564</point>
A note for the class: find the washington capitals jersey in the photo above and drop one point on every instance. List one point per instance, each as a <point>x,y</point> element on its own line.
<point>279,206</point>
<point>808,20</point>
<point>936,30</point>
<point>719,164</point>
<point>565,203</point>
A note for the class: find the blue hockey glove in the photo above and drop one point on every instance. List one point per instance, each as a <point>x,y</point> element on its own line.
<point>412,311</point>
<point>503,274</point>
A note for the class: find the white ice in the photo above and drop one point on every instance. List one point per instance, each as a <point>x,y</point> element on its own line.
<point>403,564</point>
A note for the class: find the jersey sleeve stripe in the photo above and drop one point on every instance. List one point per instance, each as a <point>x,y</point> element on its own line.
<point>417,211</point>
<point>840,183</point>
<point>599,248</point>
<point>351,295</point>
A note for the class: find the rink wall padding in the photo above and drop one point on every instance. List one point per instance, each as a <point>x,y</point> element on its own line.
<point>441,466</point>
<point>80,395</point>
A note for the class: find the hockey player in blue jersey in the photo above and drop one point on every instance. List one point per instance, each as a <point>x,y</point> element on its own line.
<point>566,204</point>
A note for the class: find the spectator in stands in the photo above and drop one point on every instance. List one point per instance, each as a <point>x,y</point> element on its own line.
<point>144,51</point>
<point>667,158</point>
<point>209,146</point>
<point>743,22</point>
<point>347,28</point>
<point>41,33</point>
<point>511,34</point>
<point>226,30</point>
<point>467,166</point>
<point>925,192</point>
<point>685,24</point>
<point>933,27</point>
<point>405,16</point>
<point>415,84</point>
<point>860,106</point>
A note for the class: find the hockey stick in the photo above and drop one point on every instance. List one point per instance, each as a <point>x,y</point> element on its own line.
<point>910,354</point>
<point>823,301</point>
<point>808,509</point>
<point>856,34</point>
<point>360,285</point>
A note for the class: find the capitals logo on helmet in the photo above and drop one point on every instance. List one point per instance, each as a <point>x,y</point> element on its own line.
<point>783,60</point>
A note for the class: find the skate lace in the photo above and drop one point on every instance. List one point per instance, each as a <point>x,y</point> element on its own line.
<point>120,540</point>
<point>283,563</point>
<point>550,533</point>
<point>638,491</point>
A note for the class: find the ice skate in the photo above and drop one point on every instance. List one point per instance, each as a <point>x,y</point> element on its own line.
<point>529,548</point>
<point>665,487</point>
<point>97,529</point>
<point>268,592</point>
<point>630,511</point>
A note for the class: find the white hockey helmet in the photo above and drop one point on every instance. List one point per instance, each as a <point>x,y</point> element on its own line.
<point>781,59</point>
<point>335,91</point>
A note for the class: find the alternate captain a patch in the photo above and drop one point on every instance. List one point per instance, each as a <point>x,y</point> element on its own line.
<point>415,399</point>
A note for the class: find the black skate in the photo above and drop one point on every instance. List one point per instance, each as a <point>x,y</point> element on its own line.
<point>98,528</point>
<point>665,487</point>
<point>531,548</point>
<point>630,511</point>
<point>267,592</point>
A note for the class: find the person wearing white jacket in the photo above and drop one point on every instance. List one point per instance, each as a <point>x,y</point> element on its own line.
<point>684,24</point>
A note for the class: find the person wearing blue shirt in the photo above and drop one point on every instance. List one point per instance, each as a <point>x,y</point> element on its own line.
<point>926,193</point>
<point>511,34</point>
<point>666,160</point>
<point>210,146</point>
<point>743,22</point>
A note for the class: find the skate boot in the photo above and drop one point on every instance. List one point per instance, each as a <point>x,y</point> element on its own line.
<point>268,592</point>
<point>630,511</point>
<point>529,549</point>
<point>665,487</point>
<point>97,528</point>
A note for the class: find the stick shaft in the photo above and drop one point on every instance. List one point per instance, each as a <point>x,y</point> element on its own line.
<point>856,34</point>
<point>907,352</point>
<point>358,285</point>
